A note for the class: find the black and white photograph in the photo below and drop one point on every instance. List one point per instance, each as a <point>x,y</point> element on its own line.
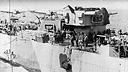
<point>63,35</point>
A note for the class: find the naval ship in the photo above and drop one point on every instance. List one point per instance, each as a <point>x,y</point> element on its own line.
<point>54,57</point>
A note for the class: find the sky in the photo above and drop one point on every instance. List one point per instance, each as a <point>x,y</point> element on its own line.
<point>45,5</point>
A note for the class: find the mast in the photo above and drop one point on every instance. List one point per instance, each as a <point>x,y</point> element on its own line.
<point>10,51</point>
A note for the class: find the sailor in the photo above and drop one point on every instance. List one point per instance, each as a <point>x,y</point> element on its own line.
<point>81,38</point>
<point>15,30</point>
<point>99,42</point>
<point>94,37</point>
<point>108,31</point>
<point>52,39</point>
<point>90,36</point>
<point>64,34</point>
<point>72,39</point>
<point>85,40</point>
<point>22,32</point>
<point>122,53</point>
<point>5,21</point>
<point>77,38</point>
<point>120,32</point>
<point>10,29</point>
<point>126,49</point>
<point>55,37</point>
<point>61,37</point>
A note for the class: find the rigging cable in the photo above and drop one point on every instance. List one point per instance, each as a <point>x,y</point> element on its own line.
<point>29,10</point>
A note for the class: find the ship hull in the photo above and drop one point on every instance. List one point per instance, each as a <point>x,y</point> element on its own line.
<point>90,62</point>
<point>48,56</point>
<point>81,61</point>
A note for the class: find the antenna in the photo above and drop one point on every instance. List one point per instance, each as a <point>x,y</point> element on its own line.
<point>30,11</point>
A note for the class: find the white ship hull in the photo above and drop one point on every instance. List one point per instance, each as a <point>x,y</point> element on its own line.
<point>90,62</point>
<point>48,58</point>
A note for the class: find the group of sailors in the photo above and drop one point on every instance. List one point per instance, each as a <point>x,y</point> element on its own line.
<point>120,44</point>
<point>12,29</point>
<point>82,40</point>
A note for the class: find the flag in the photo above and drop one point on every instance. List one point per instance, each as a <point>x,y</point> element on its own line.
<point>71,9</point>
